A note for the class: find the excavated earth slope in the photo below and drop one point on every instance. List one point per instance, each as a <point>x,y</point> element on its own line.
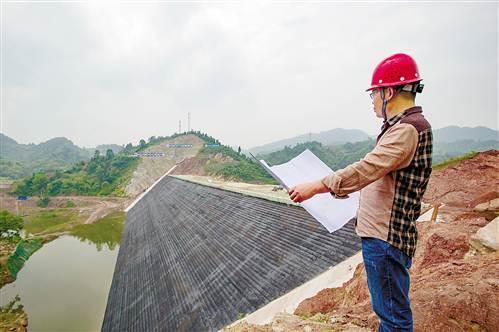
<point>152,168</point>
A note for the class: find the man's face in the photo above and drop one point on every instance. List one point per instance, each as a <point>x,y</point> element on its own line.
<point>376,102</point>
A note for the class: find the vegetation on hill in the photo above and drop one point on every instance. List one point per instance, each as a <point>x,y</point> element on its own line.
<point>13,249</point>
<point>13,169</point>
<point>19,160</point>
<point>446,150</point>
<point>102,175</point>
<point>335,156</point>
<point>330,137</point>
<point>220,160</point>
<point>454,161</point>
<point>227,163</point>
<point>339,156</point>
<point>109,174</point>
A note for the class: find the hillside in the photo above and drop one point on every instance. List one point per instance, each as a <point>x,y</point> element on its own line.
<point>449,142</point>
<point>336,156</point>
<point>104,175</point>
<point>134,168</point>
<point>150,169</point>
<point>456,133</point>
<point>18,160</point>
<point>455,273</point>
<point>21,160</point>
<point>444,150</point>
<point>330,137</point>
<point>224,163</point>
<point>452,140</point>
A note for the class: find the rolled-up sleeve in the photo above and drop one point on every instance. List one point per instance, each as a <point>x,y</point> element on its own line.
<point>395,150</point>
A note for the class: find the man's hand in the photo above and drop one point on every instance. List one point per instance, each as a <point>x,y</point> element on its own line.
<point>304,191</point>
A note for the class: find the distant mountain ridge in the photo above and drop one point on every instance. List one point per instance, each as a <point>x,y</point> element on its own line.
<point>452,136</point>
<point>449,142</point>
<point>455,133</point>
<point>329,137</point>
<point>55,149</point>
<point>18,160</point>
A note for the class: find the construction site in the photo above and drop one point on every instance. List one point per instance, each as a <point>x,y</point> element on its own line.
<point>205,253</point>
<point>265,166</point>
<point>201,254</point>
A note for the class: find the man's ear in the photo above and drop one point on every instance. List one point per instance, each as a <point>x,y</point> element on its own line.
<point>389,93</point>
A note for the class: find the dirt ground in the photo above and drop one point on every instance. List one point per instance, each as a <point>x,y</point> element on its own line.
<point>263,190</point>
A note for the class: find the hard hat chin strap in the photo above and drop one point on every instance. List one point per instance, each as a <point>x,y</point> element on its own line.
<point>383,107</point>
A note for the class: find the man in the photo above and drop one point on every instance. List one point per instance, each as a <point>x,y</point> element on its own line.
<point>393,178</point>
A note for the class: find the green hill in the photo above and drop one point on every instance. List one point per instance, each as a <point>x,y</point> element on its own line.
<point>109,174</point>
<point>329,137</point>
<point>335,156</point>
<point>102,175</point>
<point>339,156</point>
<point>224,162</point>
<point>18,160</point>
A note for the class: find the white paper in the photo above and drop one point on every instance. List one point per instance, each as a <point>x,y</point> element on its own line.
<point>331,212</point>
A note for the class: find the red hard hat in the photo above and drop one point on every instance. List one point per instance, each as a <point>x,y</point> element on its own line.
<point>398,69</point>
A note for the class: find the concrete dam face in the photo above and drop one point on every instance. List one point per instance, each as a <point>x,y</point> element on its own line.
<point>194,258</point>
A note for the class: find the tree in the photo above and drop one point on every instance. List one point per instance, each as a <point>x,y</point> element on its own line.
<point>43,202</point>
<point>40,181</point>
<point>128,147</point>
<point>109,154</point>
<point>239,150</point>
<point>10,224</point>
<point>96,154</point>
<point>142,143</point>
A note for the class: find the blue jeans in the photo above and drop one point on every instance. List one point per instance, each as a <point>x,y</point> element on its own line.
<point>388,281</point>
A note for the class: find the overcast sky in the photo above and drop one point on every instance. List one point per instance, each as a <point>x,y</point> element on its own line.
<point>249,73</point>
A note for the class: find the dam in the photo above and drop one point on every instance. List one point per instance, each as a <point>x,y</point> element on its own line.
<point>196,258</point>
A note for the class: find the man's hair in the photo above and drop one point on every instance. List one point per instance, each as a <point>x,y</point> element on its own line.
<point>408,94</point>
<point>411,95</point>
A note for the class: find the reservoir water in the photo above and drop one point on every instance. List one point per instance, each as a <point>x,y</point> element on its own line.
<point>64,285</point>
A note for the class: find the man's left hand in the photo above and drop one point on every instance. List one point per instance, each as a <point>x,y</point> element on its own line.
<point>304,191</point>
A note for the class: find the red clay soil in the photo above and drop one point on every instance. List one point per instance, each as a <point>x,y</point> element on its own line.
<point>191,166</point>
<point>467,183</point>
<point>195,165</point>
<point>453,287</point>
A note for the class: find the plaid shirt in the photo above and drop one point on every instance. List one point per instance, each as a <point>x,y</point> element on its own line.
<point>411,183</point>
<point>393,178</point>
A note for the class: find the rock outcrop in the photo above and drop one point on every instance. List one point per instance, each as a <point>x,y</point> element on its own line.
<point>487,237</point>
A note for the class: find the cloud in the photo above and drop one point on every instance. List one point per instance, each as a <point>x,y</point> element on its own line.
<point>248,73</point>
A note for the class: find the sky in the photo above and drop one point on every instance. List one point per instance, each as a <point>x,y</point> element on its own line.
<point>248,72</point>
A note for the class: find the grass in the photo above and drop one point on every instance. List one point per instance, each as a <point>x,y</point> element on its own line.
<point>454,161</point>
<point>51,221</point>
